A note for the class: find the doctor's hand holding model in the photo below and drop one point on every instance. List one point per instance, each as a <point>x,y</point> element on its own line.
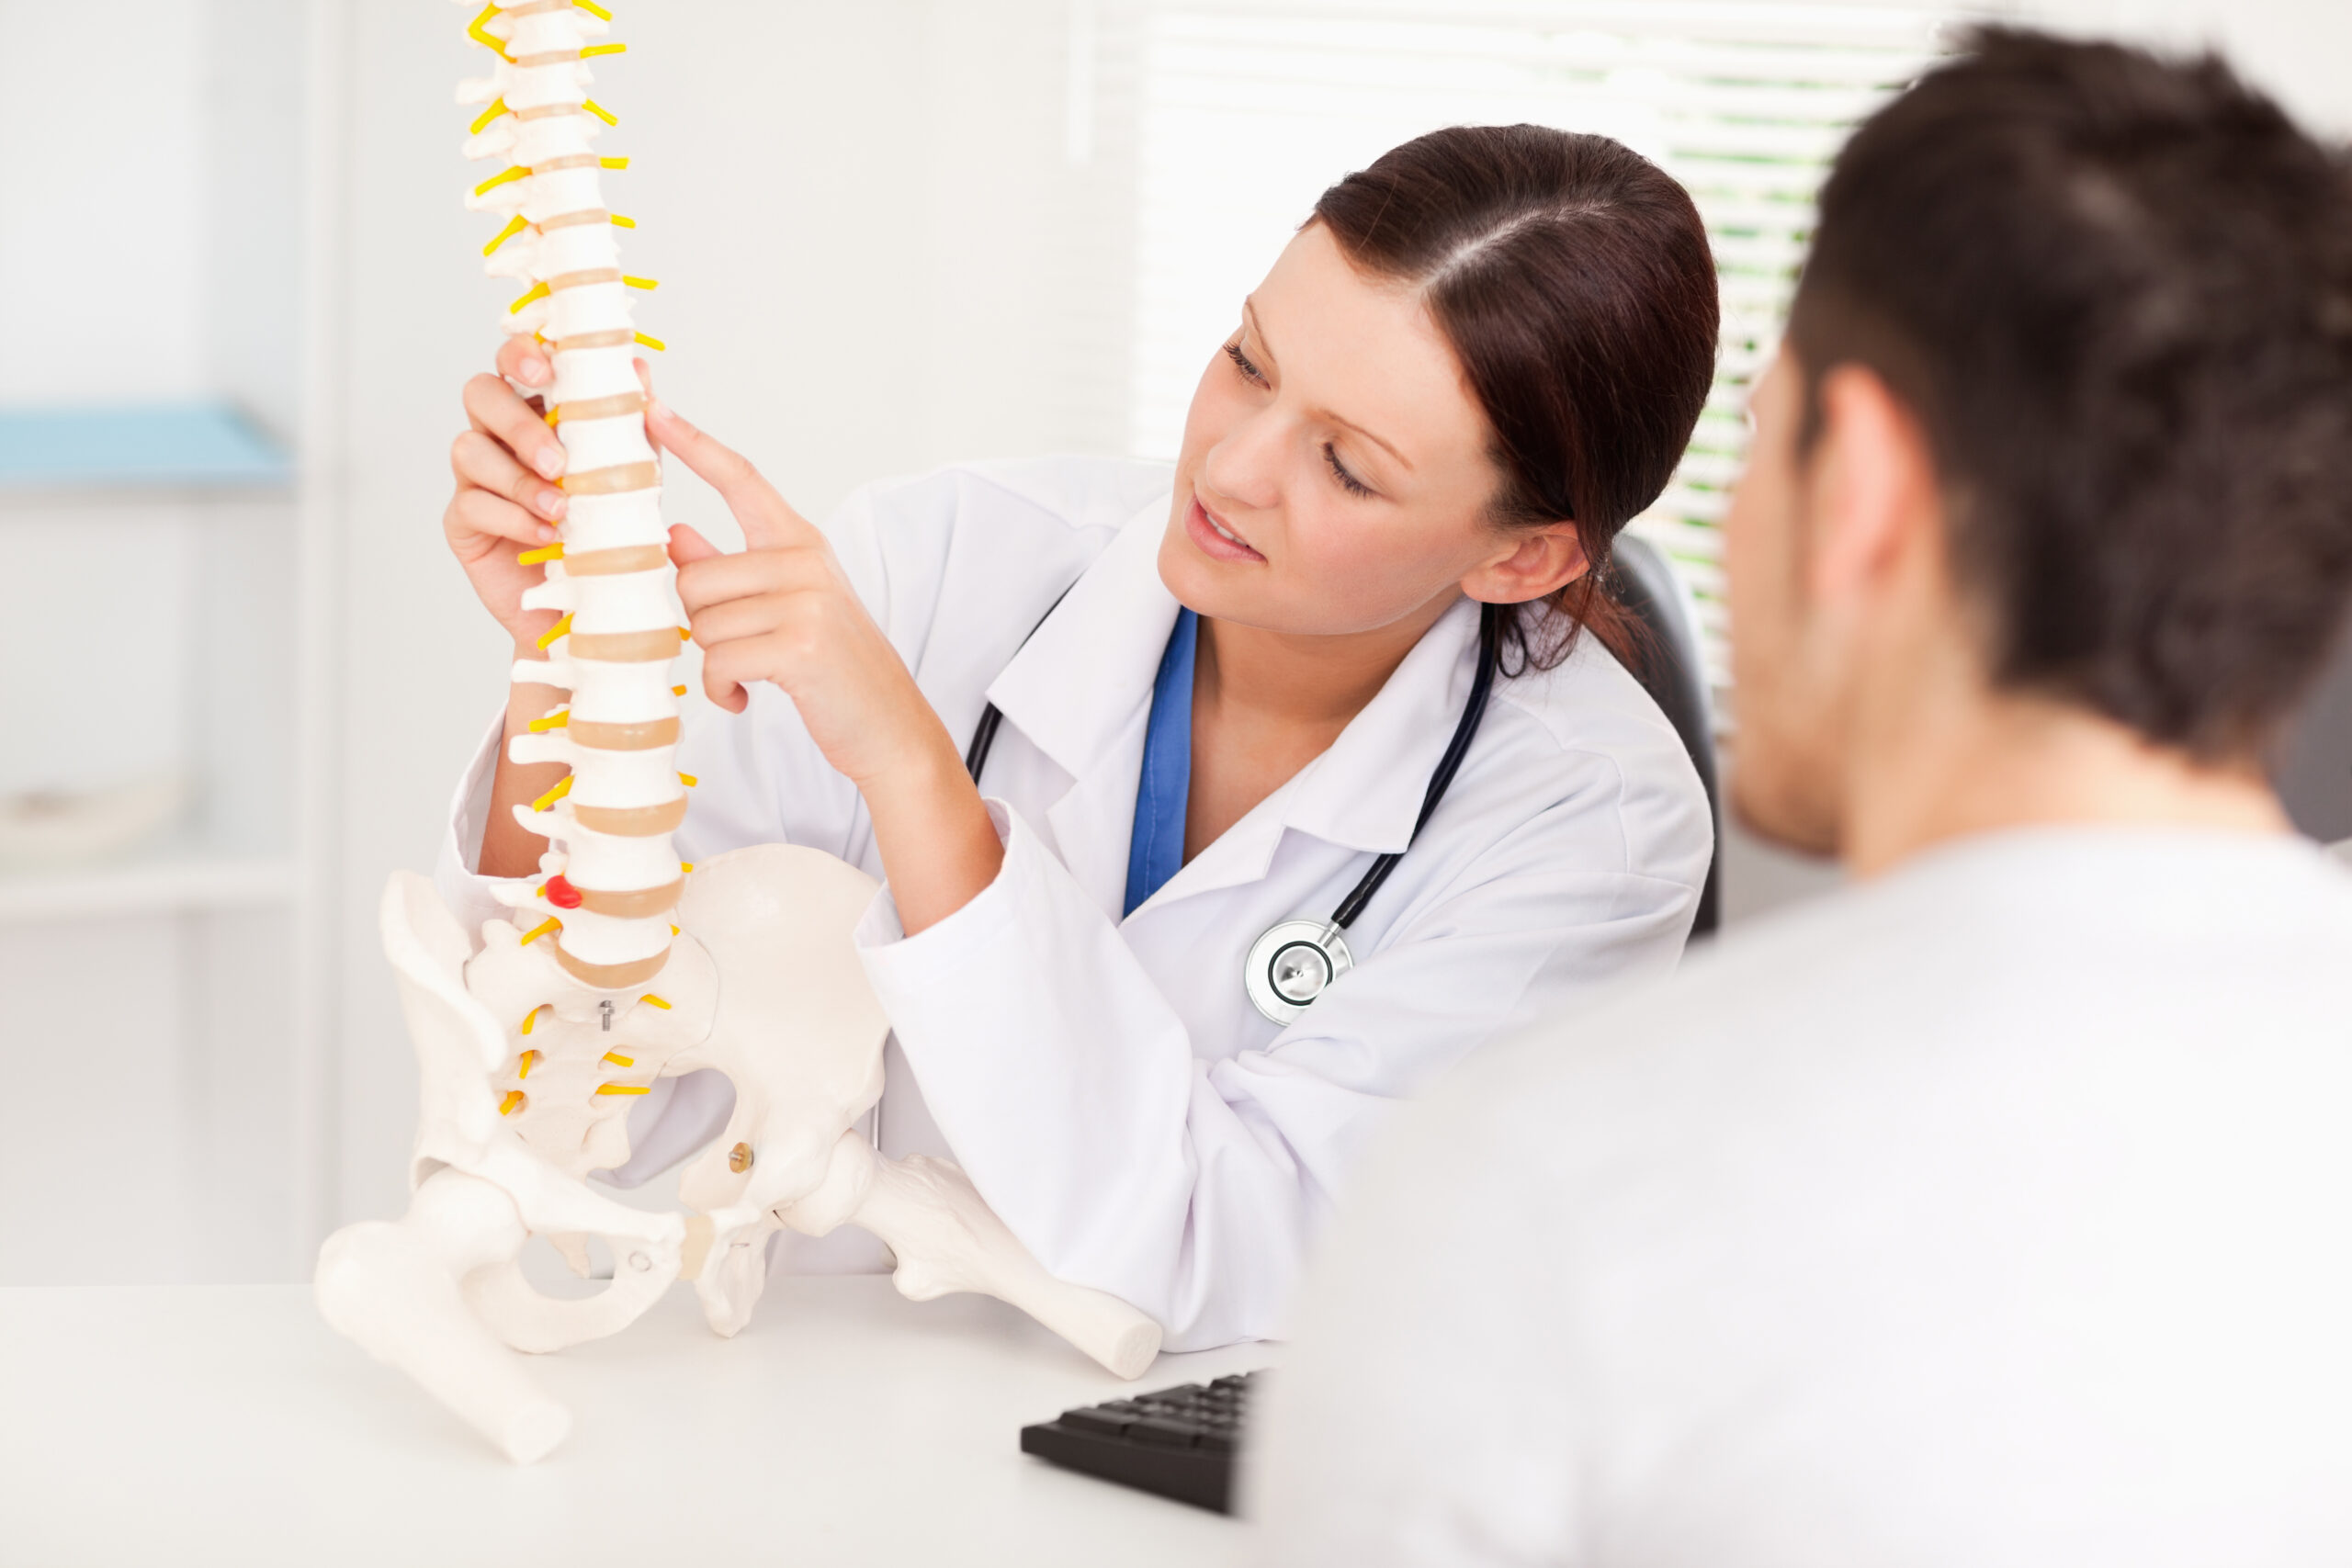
<point>1141,766</point>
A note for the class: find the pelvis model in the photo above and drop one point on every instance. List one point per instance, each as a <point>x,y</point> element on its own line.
<point>622,966</point>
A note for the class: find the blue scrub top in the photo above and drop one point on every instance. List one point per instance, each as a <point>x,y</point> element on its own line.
<point>1156,852</point>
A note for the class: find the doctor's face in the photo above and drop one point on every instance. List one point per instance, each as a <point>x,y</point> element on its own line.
<point>1335,476</point>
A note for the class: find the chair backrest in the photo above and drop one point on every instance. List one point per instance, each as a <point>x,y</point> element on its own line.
<point>2313,767</point>
<point>1674,673</point>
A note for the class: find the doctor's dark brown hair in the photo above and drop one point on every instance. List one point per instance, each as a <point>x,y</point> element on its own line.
<point>2117,293</point>
<point>1573,280</point>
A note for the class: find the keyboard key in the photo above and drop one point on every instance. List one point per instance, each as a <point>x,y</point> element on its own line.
<point>1110,1423</point>
<point>1179,1442</point>
<point>1162,1432</point>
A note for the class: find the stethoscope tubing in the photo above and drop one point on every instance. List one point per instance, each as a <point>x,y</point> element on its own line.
<point>1466,729</point>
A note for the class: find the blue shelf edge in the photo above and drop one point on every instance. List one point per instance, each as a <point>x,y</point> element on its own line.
<point>136,446</point>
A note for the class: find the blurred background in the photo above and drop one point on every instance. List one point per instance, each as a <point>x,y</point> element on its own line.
<point>239,292</point>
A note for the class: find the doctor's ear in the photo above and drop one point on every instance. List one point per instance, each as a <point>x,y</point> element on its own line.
<point>1538,561</point>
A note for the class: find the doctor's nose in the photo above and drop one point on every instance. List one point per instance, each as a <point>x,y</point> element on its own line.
<point>1245,468</point>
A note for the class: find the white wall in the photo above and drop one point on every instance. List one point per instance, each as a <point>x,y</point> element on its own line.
<point>100,266</point>
<point>150,161</point>
<point>2297,49</point>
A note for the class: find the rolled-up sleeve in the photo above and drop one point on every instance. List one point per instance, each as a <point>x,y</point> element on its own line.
<point>465,891</point>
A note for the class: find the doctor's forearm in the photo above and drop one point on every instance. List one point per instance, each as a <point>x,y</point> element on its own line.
<point>507,847</point>
<point>939,849</point>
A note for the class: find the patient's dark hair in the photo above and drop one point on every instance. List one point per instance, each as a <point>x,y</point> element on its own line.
<point>2117,292</point>
<point>1573,280</point>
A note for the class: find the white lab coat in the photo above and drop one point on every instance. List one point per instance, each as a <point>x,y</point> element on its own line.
<point>1106,1082</point>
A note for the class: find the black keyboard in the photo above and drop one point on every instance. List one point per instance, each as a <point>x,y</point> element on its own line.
<point>1179,1442</point>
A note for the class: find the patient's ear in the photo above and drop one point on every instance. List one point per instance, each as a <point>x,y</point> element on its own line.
<point>1537,561</point>
<point>1872,497</point>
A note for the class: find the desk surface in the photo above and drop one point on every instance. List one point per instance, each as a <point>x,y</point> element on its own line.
<point>845,1425</point>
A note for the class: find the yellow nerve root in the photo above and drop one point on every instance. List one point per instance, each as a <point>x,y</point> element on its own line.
<point>616,1059</point>
<point>514,226</point>
<point>677,691</point>
<point>562,787</point>
<point>624,1089</point>
<point>594,9</point>
<point>599,110</point>
<point>561,629</point>
<point>552,721</point>
<point>614,163</point>
<point>685,865</point>
<point>595,49</point>
<point>497,108</point>
<point>646,283</point>
<point>473,31</point>
<point>688,780</point>
<point>654,343</point>
<point>545,552</point>
<point>495,181</point>
<point>538,292</point>
<point>654,1001</point>
<point>531,1017</point>
<point>621,222</point>
<point>549,924</point>
<point>530,1060</point>
<point>513,1102</point>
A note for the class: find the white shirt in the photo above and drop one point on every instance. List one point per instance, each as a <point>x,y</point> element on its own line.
<point>1104,1080</point>
<point>1997,1212</point>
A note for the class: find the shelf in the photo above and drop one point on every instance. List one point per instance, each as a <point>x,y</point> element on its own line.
<point>162,446</point>
<point>152,885</point>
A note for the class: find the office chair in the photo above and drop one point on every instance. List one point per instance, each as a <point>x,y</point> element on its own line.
<point>2313,766</point>
<point>1674,673</point>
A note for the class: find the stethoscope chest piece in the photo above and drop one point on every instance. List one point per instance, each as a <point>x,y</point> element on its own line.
<point>1291,965</point>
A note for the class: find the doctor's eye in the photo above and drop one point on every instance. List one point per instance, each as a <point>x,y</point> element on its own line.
<point>1249,372</point>
<point>1347,481</point>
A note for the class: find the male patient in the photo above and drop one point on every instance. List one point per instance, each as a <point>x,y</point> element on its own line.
<point>1996,1210</point>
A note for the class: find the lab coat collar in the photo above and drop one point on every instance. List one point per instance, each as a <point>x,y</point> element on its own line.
<point>1083,681</point>
<point>1080,691</point>
<point>1365,792</point>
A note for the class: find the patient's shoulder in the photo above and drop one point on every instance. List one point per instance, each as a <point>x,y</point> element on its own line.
<point>2010,963</point>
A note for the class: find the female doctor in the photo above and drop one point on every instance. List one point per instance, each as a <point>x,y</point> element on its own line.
<point>1211,703</point>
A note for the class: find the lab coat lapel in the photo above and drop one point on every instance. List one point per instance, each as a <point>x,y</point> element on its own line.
<point>1080,690</point>
<point>1365,792</point>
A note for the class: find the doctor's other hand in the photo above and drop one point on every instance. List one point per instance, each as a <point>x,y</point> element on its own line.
<point>506,464</point>
<point>783,611</point>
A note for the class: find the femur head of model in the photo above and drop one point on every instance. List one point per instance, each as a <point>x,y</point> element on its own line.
<point>1476,362</point>
<point>2060,448</point>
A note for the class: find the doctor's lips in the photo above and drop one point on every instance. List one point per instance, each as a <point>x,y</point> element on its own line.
<point>1214,540</point>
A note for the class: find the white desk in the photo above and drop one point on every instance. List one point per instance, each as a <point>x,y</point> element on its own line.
<point>229,1424</point>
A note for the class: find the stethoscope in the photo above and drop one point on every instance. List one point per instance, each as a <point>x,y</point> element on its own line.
<point>1298,960</point>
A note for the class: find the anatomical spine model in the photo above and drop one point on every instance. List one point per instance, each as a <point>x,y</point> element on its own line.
<point>624,966</point>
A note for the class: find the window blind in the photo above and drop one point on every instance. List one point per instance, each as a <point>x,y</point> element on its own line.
<point>1251,107</point>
